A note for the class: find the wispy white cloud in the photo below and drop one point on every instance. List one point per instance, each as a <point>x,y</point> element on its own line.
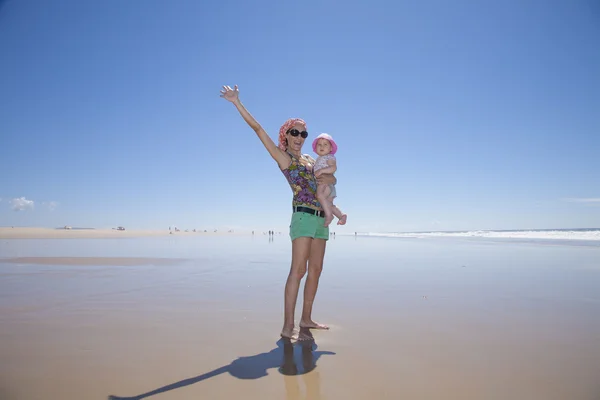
<point>50,205</point>
<point>21,204</point>
<point>583,200</point>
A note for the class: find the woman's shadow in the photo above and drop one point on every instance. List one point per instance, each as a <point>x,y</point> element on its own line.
<point>283,357</point>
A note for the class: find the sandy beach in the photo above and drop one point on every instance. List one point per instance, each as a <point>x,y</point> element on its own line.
<point>163,317</point>
<point>59,233</point>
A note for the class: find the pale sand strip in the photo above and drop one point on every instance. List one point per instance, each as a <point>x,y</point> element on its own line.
<point>100,261</point>
<point>49,233</point>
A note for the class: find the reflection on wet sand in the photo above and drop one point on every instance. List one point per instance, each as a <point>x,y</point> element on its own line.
<point>308,363</point>
<point>283,357</point>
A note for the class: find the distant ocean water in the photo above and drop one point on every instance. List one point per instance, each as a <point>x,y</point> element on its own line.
<point>556,234</point>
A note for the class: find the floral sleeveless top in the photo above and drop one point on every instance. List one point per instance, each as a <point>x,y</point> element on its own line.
<point>303,183</point>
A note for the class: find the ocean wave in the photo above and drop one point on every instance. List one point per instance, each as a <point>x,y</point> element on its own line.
<point>578,234</point>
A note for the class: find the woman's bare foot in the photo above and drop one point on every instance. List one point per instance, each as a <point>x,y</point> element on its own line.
<point>305,335</point>
<point>328,219</point>
<point>312,325</point>
<point>287,332</point>
<point>342,221</point>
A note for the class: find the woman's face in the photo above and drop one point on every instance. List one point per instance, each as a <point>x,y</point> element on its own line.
<point>295,142</point>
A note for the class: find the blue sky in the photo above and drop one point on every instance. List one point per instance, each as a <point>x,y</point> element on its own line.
<point>448,115</point>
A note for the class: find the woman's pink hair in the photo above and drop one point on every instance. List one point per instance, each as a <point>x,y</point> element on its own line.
<point>284,128</point>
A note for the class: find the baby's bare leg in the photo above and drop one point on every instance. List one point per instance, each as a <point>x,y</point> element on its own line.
<point>335,210</point>
<point>339,214</point>
<point>323,192</point>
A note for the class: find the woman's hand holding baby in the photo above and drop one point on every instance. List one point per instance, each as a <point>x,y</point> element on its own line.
<point>325,179</point>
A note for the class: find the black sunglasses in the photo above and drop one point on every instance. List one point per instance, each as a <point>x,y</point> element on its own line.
<point>296,132</point>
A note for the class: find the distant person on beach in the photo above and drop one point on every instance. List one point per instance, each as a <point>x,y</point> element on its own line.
<point>307,231</point>
<point>325,147</point>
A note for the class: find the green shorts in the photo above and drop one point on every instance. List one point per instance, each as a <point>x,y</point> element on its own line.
<point>308,225</point>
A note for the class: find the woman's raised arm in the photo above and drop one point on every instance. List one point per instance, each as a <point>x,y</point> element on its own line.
<point>279,156</point>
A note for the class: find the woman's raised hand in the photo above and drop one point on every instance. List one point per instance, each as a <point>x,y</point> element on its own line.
<point>230,94</point>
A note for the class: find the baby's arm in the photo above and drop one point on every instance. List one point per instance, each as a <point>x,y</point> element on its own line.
<point>332,167</point>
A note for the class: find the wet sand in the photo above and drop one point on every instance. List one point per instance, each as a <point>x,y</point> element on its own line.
<point>98,261</point>
<point>422,319</point>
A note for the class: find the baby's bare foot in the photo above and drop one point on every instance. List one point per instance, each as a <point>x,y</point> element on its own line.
<point>342,221</point>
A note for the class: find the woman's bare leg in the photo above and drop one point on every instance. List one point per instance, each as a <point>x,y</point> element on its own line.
<point>300,253</point>
<point>323,192</point>
<point>315,266</point>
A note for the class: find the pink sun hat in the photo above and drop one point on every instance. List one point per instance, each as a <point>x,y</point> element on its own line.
<point>328,137</point>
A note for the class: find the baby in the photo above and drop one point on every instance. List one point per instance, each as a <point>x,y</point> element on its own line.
<point>325,147</point>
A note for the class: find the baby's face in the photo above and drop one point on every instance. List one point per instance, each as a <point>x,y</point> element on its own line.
<point>323,147</point>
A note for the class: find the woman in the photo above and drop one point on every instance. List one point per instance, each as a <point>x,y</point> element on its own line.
<point>309,235</point>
